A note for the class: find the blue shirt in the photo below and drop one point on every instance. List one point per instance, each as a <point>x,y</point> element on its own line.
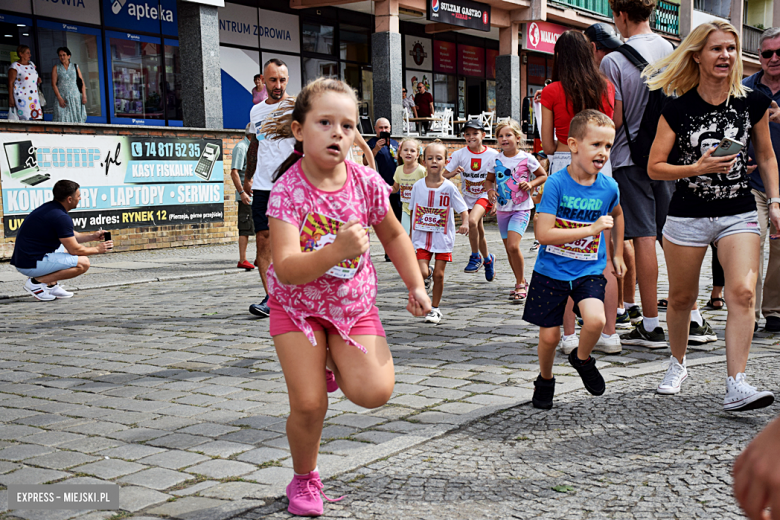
<point>575,205</point>
<point>754,82</point>
<point>40,234</point>
<point>386,159</point>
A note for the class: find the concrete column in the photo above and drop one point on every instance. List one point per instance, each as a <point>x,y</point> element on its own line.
<point>737,16</point>
<point>199,48</point>
<point>387,55</point>
<point>508,96</point>
<point>775,15</point>
<point>686,17</point>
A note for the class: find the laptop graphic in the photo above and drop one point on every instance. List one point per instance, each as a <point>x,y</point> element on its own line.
<point>23,163</point>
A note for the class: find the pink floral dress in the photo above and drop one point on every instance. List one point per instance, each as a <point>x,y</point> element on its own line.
<point>348,291</point>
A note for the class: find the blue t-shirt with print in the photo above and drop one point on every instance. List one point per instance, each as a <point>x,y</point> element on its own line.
<point>575,205</point>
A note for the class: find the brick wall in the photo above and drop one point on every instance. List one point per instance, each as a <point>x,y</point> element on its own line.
<point>160,237</point>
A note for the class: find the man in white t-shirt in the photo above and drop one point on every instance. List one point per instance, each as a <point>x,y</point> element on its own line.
<point>270,155</point>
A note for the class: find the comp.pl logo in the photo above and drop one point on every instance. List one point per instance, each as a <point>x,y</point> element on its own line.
<point>435,6</point>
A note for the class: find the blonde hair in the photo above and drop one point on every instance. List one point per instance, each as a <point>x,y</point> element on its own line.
<point>436,142</point>
<point>401,146</point>
<point>678,73</point>
<point>513,125</point>
<point>301,105</point>
<point>579,123</point>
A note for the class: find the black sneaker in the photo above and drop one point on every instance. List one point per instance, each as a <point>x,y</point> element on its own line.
<point>772,324</point>
<point>544,391</point>
<point>639,336</point>
<point>699,335</point>
<point>261,309</point>
<point>590,375</point>
<point>634,314</point>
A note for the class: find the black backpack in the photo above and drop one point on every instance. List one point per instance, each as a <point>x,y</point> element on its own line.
<point>657,101</point>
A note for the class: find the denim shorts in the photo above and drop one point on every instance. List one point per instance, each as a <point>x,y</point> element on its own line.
<point>59,260</point>
<point>702,231</point>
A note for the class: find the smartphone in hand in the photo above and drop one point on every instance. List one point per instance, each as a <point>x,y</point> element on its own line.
<point>386,137</point>
<point>727,147</point>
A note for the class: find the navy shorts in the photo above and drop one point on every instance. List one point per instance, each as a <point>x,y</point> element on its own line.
<point>547,297</point>
<point>259,207</point>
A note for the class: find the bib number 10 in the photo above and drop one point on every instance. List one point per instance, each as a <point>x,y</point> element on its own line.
<point>444,200</point>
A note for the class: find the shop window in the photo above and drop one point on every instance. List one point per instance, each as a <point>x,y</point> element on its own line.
<point>85,47</point>
<point>353,43</point>
<point>136,75</point>
<point>445,91</point>
<point>314,68</point>
<point>173,110</point>
<point>318,38</point>
<point>14,31</point>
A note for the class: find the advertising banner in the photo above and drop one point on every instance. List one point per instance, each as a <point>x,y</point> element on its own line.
<point>279,31</point>
<point>418,54</point>
<point>444,57</point>
<point>463,13</point>
<point>490,59</point>
<point>413,77</point>
<point>238,25</point>
<point>471,61</point>
<point>87,11</point>
<point>139,15</point>
<point>541,36</point>
<point>126,181</point>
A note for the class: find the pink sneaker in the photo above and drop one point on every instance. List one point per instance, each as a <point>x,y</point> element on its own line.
<point>304,495</point>
<point>330,381</point>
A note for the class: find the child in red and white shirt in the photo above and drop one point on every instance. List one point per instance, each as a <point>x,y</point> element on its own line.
<point>433,203</point>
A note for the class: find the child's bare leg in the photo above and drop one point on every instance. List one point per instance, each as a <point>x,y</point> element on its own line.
<point>548,341</point>
<point>475,223</point>
<point>593,320</point>
<point>305,378</point>
<point>366,379</point>
<point>438,282</point>
<point>610,296</point>
<point>483,247</point>
<point>423,268</point>
<point>569,319</point>
<point>509,258</point>
<point>512,244</point>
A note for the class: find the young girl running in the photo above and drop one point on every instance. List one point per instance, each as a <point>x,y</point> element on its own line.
<point>408,172</point>
<point>322,283</point>
<point>433,222</point>
<point>509,184</point>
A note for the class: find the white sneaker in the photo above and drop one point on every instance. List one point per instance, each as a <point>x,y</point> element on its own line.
<point>569,344</point>
<point>429,279</point>
<point>741,397</point>
<point>609,345</point>
<point>59,291</point>
<point>434,316</point>
<point>675,375</point>
<point>39,290</point>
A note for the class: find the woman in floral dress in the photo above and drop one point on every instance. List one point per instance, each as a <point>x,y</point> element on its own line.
<point>23,81</point>
<point>70,106</point>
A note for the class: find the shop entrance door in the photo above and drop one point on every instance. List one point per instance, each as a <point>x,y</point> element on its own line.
<point>475,95</point>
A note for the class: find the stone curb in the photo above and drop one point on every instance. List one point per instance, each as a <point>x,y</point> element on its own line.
<point>392,447</point>
<point>135,282</point>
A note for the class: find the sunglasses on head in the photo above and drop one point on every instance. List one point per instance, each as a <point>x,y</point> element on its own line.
<point>768,53</point>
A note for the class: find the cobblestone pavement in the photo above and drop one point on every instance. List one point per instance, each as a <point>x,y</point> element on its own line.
<point>172,389</point>
<point>630,454</point>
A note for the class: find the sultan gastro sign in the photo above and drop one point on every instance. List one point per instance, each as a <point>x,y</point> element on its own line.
<point>464,13</point>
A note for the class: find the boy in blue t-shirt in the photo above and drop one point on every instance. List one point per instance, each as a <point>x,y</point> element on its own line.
<point>577,205</point>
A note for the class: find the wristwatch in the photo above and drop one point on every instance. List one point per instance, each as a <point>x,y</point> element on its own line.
<point>773,200</point>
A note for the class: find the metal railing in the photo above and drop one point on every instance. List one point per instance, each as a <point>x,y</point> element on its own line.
<point>600,7</point>
<point>666,18</point>
<point>750,38</point>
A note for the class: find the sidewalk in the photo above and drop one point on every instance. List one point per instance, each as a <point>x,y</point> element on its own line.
<point>172,390</point>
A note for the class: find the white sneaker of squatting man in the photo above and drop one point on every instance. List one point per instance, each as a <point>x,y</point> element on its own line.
<point>39,290</point>
<point>59,291</point>
<point>675,375</point>
<point>741,397</point>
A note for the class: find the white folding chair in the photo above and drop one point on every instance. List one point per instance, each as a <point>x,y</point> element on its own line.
<point>487,122</point>
<point>437,125</point>
<point>408,125</point>
<point>447,119</point>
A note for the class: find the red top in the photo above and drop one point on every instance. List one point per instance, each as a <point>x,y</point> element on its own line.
<point>423,101</point>
<point>554,98</point>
